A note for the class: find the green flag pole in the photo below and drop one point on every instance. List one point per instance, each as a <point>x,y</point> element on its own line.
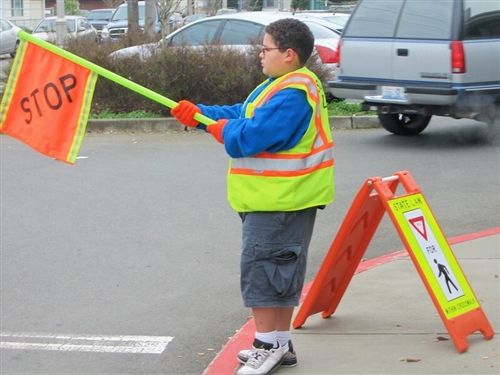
<point>108,74</point>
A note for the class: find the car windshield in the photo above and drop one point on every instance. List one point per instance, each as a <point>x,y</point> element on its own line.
<point>49,25</point>
<point>99,15</point>
<point>121,13</point>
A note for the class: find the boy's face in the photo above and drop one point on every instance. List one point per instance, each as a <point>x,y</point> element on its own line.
<point>276,63</point>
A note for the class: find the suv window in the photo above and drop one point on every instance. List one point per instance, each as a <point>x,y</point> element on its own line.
<point>423,19</point>
<point>375,19</point>
<point>196,35</point>
<point>481,19</point>
<point>239,32</point>
<point>415,19</point>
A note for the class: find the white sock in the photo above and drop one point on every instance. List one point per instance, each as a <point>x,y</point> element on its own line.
<point>283,337</point>
<point>267,337</point>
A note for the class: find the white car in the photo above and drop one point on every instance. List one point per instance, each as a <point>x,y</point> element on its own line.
<point>77,27</point>
<point>9,40</point>
<point>240,30</point>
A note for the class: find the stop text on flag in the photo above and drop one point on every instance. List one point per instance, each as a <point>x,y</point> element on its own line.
<point>50,94</point>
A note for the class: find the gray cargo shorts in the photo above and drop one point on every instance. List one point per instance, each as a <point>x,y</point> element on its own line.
<point>274,256</point>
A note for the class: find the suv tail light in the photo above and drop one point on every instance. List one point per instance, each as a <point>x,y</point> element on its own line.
<point>327,55</point>
<point>457,57</point>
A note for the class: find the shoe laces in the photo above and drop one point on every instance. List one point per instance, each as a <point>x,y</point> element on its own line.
<point>258,357</point>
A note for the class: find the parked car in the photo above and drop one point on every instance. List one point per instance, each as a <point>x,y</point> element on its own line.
<point>192,18</point>
<point>9,40</point>
<point>100,18</point>
<point>411,60</point>
<point>239,30</point>
<point>78,27</point>
<point>117,26</point>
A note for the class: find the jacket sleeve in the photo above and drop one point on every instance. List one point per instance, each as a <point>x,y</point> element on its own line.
<point>276,126</point>
<point>217,112</point>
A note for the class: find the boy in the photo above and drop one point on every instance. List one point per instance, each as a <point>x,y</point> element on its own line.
<point>280,173</point>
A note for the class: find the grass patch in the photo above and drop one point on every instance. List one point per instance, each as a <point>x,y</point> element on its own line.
<point>347,109</point>
<point>107,114</point>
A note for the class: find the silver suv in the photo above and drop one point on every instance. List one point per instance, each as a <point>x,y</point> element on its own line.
<point>411,59</point>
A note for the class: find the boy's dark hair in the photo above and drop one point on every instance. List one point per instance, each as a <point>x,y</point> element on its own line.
<point>294,34</point>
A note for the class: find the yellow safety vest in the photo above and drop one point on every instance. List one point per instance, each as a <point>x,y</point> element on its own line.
<point>289,180</point>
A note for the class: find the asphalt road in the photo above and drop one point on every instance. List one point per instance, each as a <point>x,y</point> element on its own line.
<point>133,252</point>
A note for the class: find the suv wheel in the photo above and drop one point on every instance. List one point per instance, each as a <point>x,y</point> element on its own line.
<point>404,124</point>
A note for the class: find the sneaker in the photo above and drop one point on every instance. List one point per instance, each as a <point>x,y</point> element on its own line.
<point>289,359</point>
<point>262,360</point>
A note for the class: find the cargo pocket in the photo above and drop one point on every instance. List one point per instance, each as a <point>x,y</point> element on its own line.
<point>279,264</point>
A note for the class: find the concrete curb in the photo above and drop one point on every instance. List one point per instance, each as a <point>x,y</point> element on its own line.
<point>152,125</point>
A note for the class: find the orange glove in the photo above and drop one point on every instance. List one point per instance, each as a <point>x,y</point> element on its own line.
<point>216,130</point>
<point>184,112</point>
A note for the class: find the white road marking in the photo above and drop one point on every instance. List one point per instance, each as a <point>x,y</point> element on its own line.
<point>85,343</point>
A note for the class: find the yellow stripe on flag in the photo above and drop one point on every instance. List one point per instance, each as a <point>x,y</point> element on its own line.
<point>84,115</point>
<point>12,81</point>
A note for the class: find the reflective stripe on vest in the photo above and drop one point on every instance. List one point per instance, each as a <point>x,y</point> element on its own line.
<point>290,163</point>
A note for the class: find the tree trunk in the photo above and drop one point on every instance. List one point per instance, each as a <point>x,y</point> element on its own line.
<point>133,21</point>
<point>150,24</point>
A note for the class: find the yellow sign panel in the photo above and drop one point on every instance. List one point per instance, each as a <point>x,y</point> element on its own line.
<point>433,254</point>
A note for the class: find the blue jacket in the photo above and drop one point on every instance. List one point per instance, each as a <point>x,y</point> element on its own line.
<point>276,126</point>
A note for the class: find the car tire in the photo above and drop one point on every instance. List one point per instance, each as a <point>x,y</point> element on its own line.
<point>404,124</point>
<point>13,53</point>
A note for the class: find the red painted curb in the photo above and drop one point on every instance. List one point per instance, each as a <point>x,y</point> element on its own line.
<point>225,362</point>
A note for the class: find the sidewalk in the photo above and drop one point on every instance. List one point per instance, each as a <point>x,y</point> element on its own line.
<point>387,324</point>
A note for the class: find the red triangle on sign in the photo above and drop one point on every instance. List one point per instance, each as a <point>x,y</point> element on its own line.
<point>419,224</point>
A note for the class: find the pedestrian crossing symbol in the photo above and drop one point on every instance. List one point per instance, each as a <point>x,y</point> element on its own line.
<point>433,254</point>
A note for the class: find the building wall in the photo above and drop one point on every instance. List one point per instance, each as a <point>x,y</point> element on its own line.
<point>32,12</point>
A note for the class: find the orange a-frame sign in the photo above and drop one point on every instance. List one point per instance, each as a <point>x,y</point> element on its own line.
<point>428,248</point>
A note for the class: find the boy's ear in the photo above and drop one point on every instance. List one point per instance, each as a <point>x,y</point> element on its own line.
<point>291,55</point>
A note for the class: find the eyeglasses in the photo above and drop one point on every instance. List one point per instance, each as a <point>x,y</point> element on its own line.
<point>267,49</point>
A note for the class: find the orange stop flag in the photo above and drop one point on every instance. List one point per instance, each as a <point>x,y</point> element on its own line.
<point>46,102</point>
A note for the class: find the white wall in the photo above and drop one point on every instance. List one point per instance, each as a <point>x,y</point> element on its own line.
<point>33,11</point>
